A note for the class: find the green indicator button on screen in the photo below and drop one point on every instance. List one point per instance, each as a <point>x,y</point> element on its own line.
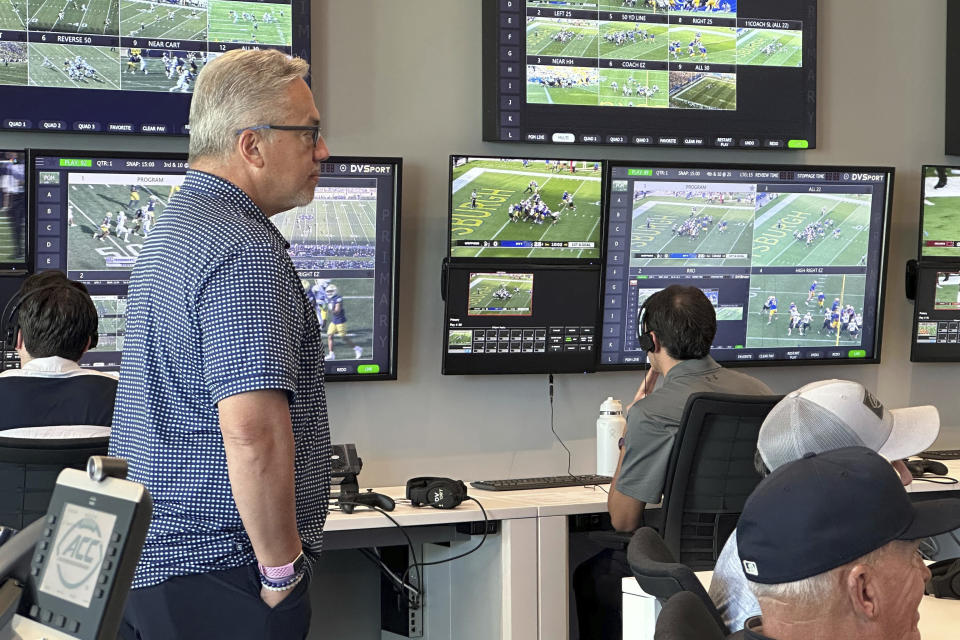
<point>368,368</point>
<point>797,144</point>
<point>857,353</point>
<point>75,162</point>
<point>639,172</point>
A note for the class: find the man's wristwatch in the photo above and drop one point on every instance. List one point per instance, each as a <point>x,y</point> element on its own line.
<point>283,576</point>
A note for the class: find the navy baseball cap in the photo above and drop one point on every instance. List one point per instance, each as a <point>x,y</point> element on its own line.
<point>825,510</point>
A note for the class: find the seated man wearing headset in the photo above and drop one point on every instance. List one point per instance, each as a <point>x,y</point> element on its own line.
<point>52,322</point>
<point>677,327</point>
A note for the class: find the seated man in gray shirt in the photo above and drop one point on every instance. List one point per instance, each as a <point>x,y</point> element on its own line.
<point>678,325</point>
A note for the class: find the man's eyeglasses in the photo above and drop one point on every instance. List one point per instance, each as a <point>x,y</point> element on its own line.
<point>314,129</point>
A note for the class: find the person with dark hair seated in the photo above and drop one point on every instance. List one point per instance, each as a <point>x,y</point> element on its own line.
<point>678,325</point>
<point>52,322</point>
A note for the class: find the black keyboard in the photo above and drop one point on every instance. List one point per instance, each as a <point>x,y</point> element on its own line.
<point>551,482</point>
<point>941,454</point>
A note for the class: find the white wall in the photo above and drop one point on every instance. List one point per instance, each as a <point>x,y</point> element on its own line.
<point>403,78</point>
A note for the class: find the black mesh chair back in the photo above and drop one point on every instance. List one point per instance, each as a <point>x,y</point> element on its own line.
<point>685,618</point>
<point>661,576</point>
<point>29,469</point>
<point>710,474</point>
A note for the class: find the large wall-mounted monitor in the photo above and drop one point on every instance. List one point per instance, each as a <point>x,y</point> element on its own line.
<point>103,66</point>
<point>94,210</point>
<point>14,246</point>
<point>346,247</point>
<point>936,316</point>
<point>678,73</point>
<point>940,213</point>
<point>792,257</point>
<point>524,209</point>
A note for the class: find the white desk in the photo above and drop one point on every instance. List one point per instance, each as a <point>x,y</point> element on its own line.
<point>517,584</point>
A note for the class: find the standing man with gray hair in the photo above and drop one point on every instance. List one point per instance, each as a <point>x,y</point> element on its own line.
<point>221,410</point>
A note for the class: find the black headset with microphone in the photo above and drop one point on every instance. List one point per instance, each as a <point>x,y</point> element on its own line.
<point>644,338</point>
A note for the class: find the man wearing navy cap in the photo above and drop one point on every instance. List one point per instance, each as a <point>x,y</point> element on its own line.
<point>818,417</point>
<point>829,544</point>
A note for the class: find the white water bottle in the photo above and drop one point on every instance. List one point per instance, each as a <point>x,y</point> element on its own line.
<point>610,427</point>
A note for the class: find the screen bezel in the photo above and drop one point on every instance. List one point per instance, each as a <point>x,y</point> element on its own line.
<point>535,261</point>
<point>496,364</point>
<point>17,269</point>
<point>927,271</point>
<point>881,284</point>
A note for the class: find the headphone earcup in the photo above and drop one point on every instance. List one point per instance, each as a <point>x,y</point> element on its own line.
<point>440,493</point>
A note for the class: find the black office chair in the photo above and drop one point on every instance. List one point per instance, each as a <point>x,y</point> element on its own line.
<point>29,469</point>
<point>661,576</point>
<point>685,618</point>
<point>710,474</point>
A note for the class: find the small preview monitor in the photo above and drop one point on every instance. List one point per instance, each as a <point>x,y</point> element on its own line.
<point>520,318</point>
<point>103,66</point>
<point>940,212</point>
<point>672,73</point>
<point>524,209</point>
<point>793,258</point>
<point>14,248</point>
<point>936,315</point>
<point>345,246</point>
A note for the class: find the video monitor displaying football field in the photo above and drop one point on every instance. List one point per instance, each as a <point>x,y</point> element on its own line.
<point>94,211</point>
<point>500,294</point>
<point>57,59</point>
<point>696,73</point>
<point>345,247</point>
<point>525,209</point>
<point>791,258</point>
<point>940,212</point>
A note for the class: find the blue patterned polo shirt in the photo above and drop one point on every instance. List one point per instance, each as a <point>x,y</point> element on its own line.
<point>214,308</point>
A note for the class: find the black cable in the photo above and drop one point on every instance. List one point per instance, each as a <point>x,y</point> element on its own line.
<point>413,554</point>
<point>936,479</point>
<point>398,586</point>
<point>555,434</point>
<point>486,524</point>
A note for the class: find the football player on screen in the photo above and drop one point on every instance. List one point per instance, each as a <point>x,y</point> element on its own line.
<point>338,322</point>
<point>122,229</point>
<point>104,229</point>
<point>134,196</point>
<point>771,308</point>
